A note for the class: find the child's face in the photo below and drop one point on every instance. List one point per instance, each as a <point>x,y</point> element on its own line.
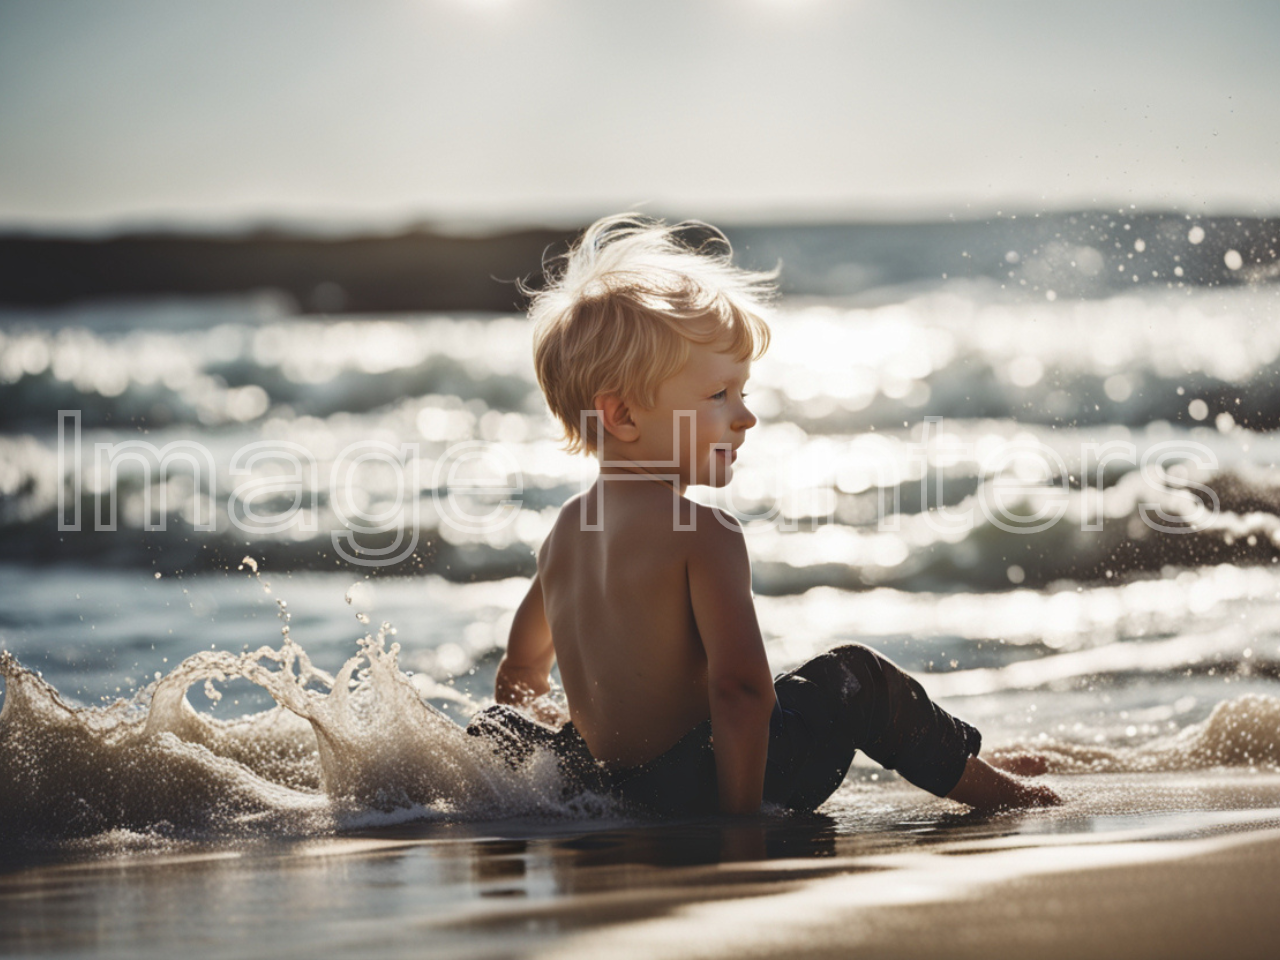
<point>709,389</point>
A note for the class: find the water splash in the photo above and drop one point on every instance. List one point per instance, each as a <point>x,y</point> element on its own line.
<point>335,750</point>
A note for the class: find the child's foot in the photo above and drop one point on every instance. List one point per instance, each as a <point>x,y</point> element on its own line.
<point>983,787</point>
<point>1019,763</point>
<point>1038,795</point>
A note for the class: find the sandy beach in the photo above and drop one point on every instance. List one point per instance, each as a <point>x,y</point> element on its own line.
<point>1132,897</point>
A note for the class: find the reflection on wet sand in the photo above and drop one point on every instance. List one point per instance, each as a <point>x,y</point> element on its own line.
<point>517,888</point>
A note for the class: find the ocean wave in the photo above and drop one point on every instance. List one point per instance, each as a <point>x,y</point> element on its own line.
<point>1135,525</point>
<point>238,373</point>
<point>1243,732</point>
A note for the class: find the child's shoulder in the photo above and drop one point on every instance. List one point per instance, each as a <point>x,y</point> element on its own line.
<point>657,514</point>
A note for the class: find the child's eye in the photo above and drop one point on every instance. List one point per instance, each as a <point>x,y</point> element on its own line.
<point>720,396</point>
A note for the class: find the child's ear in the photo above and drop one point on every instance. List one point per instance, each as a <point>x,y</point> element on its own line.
<point>616,416</point>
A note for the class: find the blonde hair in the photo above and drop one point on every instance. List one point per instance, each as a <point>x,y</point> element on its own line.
<point>622,306</point>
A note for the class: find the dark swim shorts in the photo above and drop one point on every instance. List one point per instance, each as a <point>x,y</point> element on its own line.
<point>845,700</point>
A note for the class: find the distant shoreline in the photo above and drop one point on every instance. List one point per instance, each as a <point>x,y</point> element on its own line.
<point>413,271</point>
<point>424,269</point>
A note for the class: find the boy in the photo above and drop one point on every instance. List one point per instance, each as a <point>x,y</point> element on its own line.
<point>643,347</point>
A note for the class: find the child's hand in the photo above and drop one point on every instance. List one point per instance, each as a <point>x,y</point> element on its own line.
<point>548,711</point>
<point>518,686</point>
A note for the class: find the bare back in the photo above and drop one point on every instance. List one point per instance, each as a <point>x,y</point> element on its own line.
<point>618,604</point>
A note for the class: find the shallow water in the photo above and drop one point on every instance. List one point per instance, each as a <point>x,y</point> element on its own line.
<point>361,727</point>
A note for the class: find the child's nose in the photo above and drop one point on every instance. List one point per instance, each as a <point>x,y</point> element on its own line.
<point>746,419</point>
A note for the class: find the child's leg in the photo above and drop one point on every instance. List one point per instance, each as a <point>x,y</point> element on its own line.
<point>851,698</point>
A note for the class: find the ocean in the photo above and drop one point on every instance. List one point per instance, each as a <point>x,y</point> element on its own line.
<point>258,567</point>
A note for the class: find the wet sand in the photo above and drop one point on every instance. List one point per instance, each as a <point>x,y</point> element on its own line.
<point>1133,898</point>
<point>1134,866</point>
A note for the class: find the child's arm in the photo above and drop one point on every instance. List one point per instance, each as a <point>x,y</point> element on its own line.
<point>523,674</point>
<point>739,684</point>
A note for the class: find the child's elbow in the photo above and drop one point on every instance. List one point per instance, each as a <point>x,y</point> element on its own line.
<point>748,695</point>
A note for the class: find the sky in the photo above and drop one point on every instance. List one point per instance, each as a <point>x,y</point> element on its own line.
<point>217,113</point>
